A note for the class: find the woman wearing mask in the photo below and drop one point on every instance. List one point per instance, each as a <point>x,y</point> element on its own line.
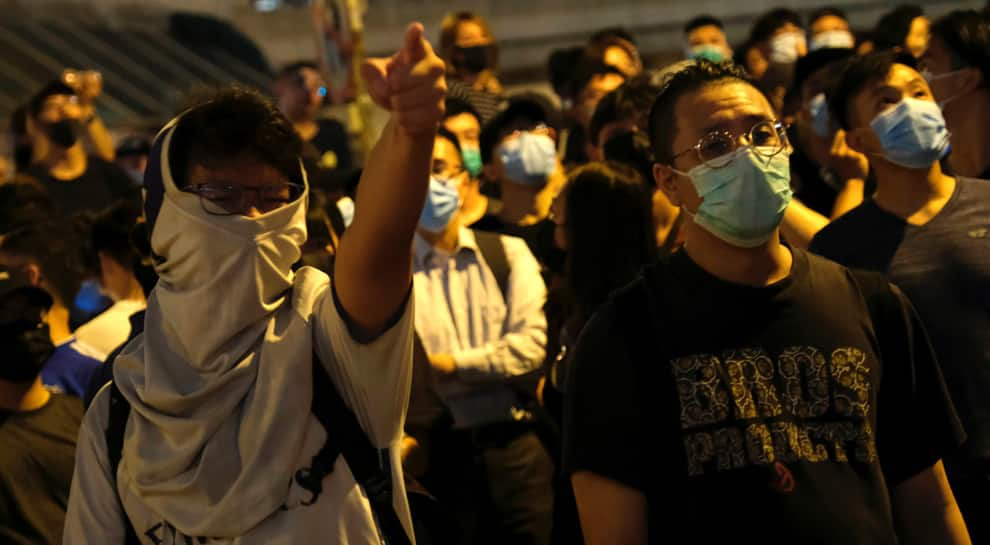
<point>469,49</point>
<point>604,222</point>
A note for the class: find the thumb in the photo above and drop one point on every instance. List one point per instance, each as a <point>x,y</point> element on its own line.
<point>375,74</point>
<point>414,48</point>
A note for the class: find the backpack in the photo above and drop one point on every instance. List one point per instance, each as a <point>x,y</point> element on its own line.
<point>370,466</point>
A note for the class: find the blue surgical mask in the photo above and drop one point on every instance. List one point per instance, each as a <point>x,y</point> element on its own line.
<point>821,119</point>
<point>529,159</point>
<point>472,160</point>
<point>912,133</point>
<point>442,202</point>
<point>744,201</point>
<point>832,38</point>
<point>709,52</point>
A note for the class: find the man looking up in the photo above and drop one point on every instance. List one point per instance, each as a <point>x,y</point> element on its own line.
<point>221,439</point>
<point>755,368</point>
<point>927,231</point>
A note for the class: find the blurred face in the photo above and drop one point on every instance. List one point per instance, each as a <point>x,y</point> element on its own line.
<point>937,58</point>
<point>466,128</point>
<point>707,35</point>
<point>917,38</point>
<point>302,94</point>
<point>59,107</point>
<point>756,62</point>
<point>828,23</point>
<point>621,58</point>
<point>599,86</point>
<point>448,166</point>
<point>244,186</point>
<point>879,96</point>
<point>733,107</point>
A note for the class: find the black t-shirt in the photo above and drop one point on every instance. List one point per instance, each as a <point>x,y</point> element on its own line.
<point>944,268</point>
<point>779,414</point>
<point>538,236</point>
<point>329,148</point>
<point>98,187</point>
<point>37,455</point>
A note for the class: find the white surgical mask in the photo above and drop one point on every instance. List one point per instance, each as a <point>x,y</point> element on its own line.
<point>786,48</point>
<point>832,38</point>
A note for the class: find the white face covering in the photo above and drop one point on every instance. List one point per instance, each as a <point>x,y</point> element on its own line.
<point>218,416</point>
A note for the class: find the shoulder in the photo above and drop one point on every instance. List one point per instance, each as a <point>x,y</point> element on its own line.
<point>309,287</point>
<point>846,225</point>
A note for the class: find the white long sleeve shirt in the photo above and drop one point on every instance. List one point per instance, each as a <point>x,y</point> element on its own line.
<point>461,311</point>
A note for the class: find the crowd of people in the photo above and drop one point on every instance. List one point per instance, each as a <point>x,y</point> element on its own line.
<point>744,296</point>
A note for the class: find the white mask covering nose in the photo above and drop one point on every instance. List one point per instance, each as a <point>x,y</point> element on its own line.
<point>785,48</point>
<point>215,425</point>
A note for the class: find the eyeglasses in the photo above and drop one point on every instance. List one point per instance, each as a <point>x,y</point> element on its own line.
<point>768,138</point>
<point>228,200</point>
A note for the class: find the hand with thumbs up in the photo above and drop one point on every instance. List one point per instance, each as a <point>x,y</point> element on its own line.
<point>409,84</point>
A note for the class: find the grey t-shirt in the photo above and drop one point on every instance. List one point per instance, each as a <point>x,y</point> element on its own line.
<point>944,268</point>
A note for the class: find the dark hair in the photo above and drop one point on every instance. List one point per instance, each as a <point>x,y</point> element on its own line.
<point>444,132</point>
<point>858,73</point>
<point>560,69</point>
<point>816,60</point>
<point>966,34</point>
<point>828,11</point>
<point>894,26</point>
<point>689,79</point>
<point>631,100</point>
<point>771,21</point>
<point>59,249</point>
<point>586,70</point>
<point>456,106</point>
<point>739,53</point>
<point>52,88</point>
<point>526,110</point>
<point>607,36</point>
<point>23,203</point>
<point>609,226</point>
<point>700,21</point>
<point>233,122</point>
<point>292,68</point>
<point>118,232</point>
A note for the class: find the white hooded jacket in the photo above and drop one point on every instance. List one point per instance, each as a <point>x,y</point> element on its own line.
<point>220,386</point>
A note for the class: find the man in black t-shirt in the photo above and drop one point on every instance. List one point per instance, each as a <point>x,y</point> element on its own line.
<point>929,233</point>
<point>744,391</point>
<point>38,428</point>
<point>75,181</point>
<point>301,93</point>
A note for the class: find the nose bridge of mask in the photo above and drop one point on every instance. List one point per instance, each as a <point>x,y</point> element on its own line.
<point>912,133</point>
<point>529,159</point>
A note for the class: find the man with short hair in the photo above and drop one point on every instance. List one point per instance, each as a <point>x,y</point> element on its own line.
<point>465,123</point>
<point>704,38</point>
<point>779,33</point>
<point>958,71</point>
<point>926,230</point>
<point>733,393</point>
<point>300,93</point>
<point>228,433</point>
<point>591,80</point>
<point>829,27</point>
<point>76,181</point>
<point>480,316</point>
<point>38,428</point>
<point>50,256</point>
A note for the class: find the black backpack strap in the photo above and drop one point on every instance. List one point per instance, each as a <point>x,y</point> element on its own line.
<point>120,411</point>
<point>370,466</point>
<point>490,245</point>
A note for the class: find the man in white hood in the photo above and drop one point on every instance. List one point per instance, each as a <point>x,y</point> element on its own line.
<point>220,382</point>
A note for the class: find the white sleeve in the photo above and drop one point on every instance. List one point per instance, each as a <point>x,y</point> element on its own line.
<point>94,514</point>
<point>522,346</point>
<point>373,378</point>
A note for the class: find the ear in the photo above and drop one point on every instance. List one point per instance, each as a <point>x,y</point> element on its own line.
<point>664,177</point>
<point>34,274</point>
<point>863,140</point>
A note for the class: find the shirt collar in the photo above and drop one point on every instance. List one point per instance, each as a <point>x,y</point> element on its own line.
<point>423,251</point>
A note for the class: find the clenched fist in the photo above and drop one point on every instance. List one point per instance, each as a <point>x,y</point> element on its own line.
<point>409,84</point>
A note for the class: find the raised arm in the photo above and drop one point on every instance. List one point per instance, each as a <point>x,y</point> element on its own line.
<point>373,270</point>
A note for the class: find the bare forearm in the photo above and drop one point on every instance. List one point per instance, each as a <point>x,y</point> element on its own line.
<point>850,197</point>
<point>801,224</point>
<point>100,140</point>
<point>374,267</point>
<point>925,510</point>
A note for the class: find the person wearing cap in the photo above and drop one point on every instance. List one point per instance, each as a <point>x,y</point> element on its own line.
<point>221,439</point>
<point>828,176</point>
<point>928,231</point>
<point>518,150</point>
<point>38,427</point>
<point>75,180</point>
<point>132,156</point>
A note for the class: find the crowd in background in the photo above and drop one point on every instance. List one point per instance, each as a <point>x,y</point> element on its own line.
<point>536,411</point>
